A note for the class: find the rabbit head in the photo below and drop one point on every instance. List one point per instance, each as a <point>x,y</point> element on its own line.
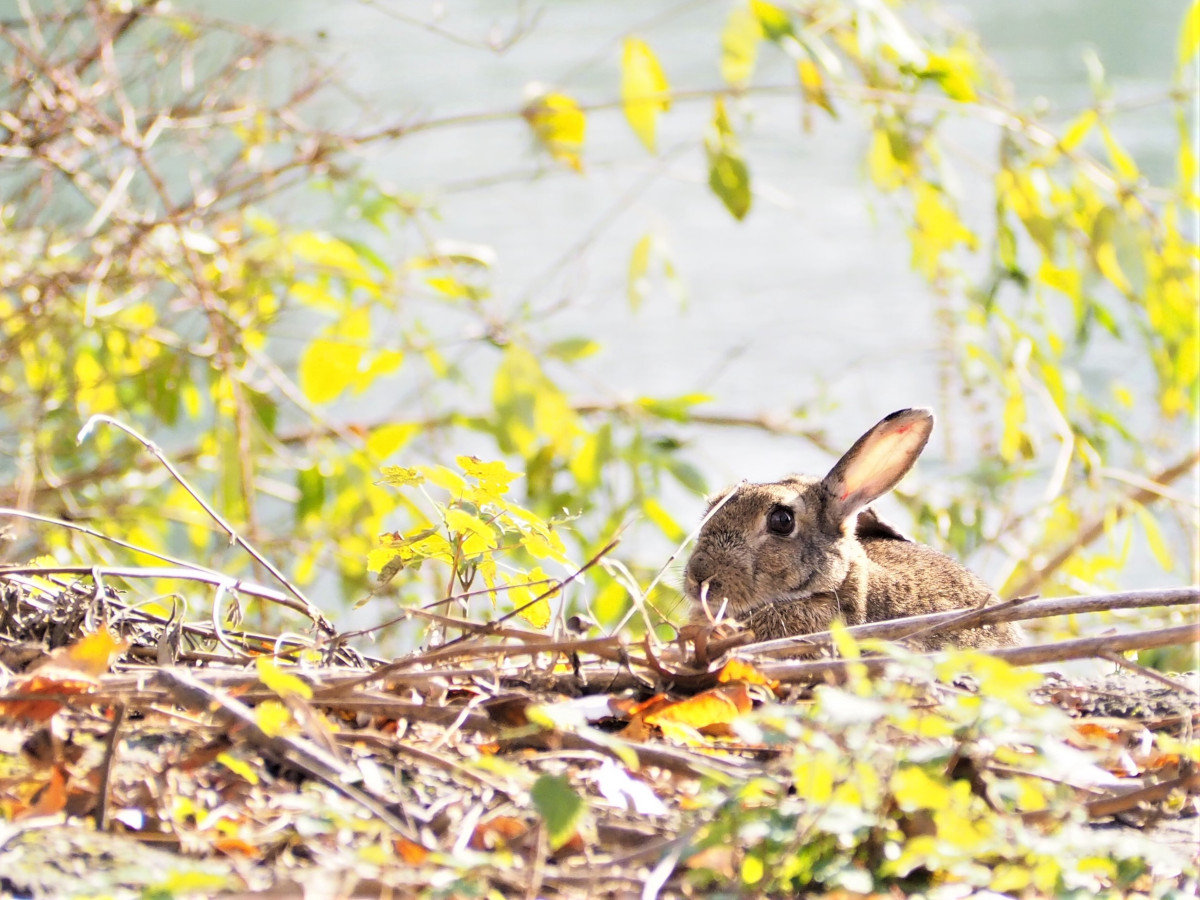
<point>798,539</point>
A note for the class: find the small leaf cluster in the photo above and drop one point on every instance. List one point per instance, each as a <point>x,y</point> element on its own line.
<point>472,527</point>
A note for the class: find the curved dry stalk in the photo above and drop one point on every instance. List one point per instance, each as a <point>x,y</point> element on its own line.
<point>309,609</point>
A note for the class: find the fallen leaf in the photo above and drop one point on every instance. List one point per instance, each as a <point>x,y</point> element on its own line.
<point>718,706</point>
<point>410,851</point>
<point>496,832</point>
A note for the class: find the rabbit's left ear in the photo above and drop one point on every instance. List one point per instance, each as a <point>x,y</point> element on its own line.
<point>877,461</point>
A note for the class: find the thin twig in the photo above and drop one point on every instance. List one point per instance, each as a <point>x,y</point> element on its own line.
<point>1152,674</point>
<point>309,608</point>
<point>106,768</point>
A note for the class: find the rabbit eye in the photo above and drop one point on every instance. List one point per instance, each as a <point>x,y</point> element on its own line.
<point>780,520</point>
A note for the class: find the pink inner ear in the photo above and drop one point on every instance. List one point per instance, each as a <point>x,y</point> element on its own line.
<point>881,462</point>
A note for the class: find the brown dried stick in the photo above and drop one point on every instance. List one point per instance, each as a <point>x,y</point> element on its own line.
<point>1011,611</point>
<point>1082,648</point>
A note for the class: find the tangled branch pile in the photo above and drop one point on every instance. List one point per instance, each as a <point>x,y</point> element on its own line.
<point>212,761</point>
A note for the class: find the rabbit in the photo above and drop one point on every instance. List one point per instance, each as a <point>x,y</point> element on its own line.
<point>788,558</point>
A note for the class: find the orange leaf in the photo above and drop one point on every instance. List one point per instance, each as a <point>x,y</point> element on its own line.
<point>497,832</point>
<point>237,847</point>
<point>646,707</point>
<point>740,670</point>
<point>1101,732</point>
<point>51,799</point>
<point>719,706</point>
<point>410,851</point>
<point>41,710</point>
<point>91,656</point>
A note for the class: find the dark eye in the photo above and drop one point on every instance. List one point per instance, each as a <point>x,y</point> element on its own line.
<point>780,520</point>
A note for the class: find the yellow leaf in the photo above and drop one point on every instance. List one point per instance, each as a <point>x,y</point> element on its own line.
<point>400,476</point>
<point>740,670</point>
<point>812,82</point>
<point>813,777</point>
<point>644,90</point>
<point>272,717</point>
<point>385,440</point>
<point>657,514</point>
<point>326,252</point>
<point>1106,261</point>
<point>1067,281</point>
<point>1189,35</point>
<point>1013,434</point>
<point>753,870</point>
<point>639,265</point>
<point>775,22</point>
<point>1154,537</point>
<point>447,479</point>
<point>728,175</point>
<point>955,72</point>
<point>739,46</point>
<point>1122,162</point>
<point>938,230</point>
<point>239,767</point>
<point>913,789</point>
<point>462,522</point>
<point>90,656</point>
<point>280,682</point>
<point>1079,129</point>
<point>527,596</point>
<point>560,125</point>
<point>327,367</point>
<point>493,477</point>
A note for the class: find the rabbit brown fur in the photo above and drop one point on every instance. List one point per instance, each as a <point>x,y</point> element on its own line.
<point>788,558</point>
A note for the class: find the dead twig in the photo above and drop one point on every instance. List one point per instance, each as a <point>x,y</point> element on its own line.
<point>288,751</point>
<point>1011,611</point>
<point>309,608</point>
<point>1060,651</point>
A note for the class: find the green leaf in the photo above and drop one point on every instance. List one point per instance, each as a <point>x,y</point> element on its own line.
<point>677,409</point>
<point>311,485</point>
<point>645,91</point>
<point>728,175</point>
<point>572,349</point>
<point>559,806</point>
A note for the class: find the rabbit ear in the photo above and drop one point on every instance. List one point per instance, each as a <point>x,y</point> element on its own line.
<point>877,461</point>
